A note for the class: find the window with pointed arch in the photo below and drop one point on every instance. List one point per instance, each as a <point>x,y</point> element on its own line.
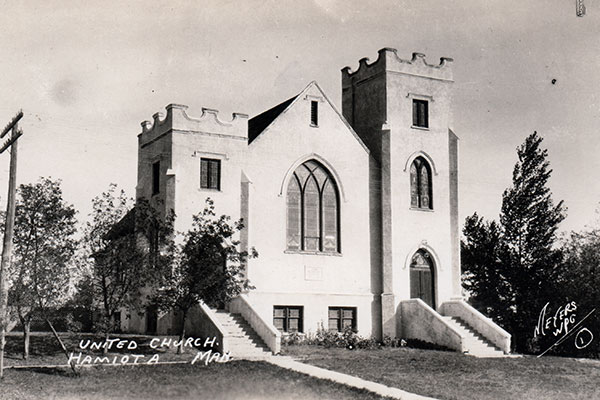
<point>421,191</point>
<point>313,210</point>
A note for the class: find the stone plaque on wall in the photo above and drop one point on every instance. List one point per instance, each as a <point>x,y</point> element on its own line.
<point>312,273</point>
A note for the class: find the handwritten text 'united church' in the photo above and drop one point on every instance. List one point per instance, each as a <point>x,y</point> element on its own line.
<point>118,344</point>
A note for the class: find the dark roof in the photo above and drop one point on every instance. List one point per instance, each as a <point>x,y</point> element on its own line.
<point>259,123</point>
<point>124,227</point>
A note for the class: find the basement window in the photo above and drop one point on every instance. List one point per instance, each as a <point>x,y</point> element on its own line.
<point>341,318</point>
<point>288,318</point>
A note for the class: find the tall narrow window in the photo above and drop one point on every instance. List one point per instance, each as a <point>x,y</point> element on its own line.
<point>313,210</point>
<point>210,173</point>
<point>156,178</point>
<point>420,184</point>
<point>314,113</point>
<point>420,113</point>
<point>414,185</point>
<point>312,220</point>
<point>330,216</point>
<point>294,212</point>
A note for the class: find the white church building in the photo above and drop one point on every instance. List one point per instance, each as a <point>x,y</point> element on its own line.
<point>354,213</point>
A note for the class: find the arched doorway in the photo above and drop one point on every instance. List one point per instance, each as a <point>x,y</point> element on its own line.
<point>422,277</point>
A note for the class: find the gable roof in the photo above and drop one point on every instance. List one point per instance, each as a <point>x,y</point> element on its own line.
<point>259,123</point>
<point>123,227</point>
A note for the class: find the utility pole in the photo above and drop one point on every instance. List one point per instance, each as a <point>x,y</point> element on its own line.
<point>8,229</point>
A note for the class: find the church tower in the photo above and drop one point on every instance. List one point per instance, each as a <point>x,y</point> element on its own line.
<point>401,109</point>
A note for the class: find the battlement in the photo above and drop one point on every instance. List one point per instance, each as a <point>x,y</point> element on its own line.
<point>177,119</point>
<point>388,60</point>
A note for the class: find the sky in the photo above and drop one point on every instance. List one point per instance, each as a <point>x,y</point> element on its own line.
<point>86,74</point>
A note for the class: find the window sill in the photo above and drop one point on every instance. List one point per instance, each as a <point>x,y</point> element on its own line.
<point>314,125</point>
<point>287,334</point>
<point>209,190</point>
<point>354,330</point>
<point>313,253</point>
<point>421,209</point>
<point>421,128</point>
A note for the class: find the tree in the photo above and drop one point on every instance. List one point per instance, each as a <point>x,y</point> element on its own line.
<point>44,245</point>
<point>209,269</point>
<point>513,268</point>
<point>530,220</point>
<point>129,249</point>
<point>482,255</point>
<point>580,281</point>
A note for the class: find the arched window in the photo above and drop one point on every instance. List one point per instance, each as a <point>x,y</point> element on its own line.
<point>421,194</point>
<point>313,209</point>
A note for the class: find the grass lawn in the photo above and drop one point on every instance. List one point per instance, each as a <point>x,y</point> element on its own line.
<point>448,375</point>
<point>45,350</point>
<point>231,380</point>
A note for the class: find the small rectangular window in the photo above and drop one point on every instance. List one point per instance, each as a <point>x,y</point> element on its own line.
<point>341,318</point>
<point>156,178</point>
<point>210,173</point>
<point>314,113</point>
<point>288,318</point>
<point>421,113</point>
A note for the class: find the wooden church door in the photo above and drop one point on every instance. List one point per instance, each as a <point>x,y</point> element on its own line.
<point>422,284</point>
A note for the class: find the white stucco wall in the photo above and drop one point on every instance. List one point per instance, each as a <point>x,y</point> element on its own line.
<point>314,281</point>
<point>415,228</point>
<point>377,242</point>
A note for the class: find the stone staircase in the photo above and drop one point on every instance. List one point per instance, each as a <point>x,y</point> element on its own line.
<point>242,340</point>
<point>476,344</point>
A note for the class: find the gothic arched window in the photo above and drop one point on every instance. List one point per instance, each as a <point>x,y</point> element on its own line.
<point>421,193</point>
<point>313,210</point>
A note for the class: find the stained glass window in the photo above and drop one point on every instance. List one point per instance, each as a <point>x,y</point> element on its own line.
<point>294,204</point>
<point>313,210</point>
<point>420,184</point>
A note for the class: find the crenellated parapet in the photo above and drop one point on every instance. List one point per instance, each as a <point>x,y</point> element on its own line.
<point>177,119</point>
<point>388,60</point>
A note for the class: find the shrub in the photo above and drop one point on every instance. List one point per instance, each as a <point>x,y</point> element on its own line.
<point>294,338</point>
<point>393,342</point>
<point>348,339</point>
<point>351,340</point>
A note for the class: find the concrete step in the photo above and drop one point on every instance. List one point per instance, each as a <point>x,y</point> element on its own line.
<point>243,352</point>
<point>476,344</point>
<point>247,349</point>
<point>485,353</point>
<point>242,340</point>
